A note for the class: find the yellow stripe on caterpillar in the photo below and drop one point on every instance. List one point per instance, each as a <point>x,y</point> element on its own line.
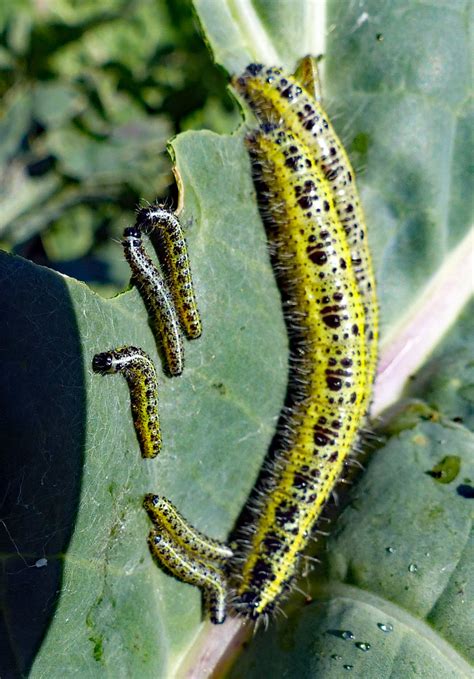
<point>138,369</point>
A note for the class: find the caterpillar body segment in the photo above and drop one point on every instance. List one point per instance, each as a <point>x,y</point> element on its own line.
<point>173,254</point>
<point>273,95</point>
<point>157,299</point>
<point>325,317</point>
<point>165,516</point>
<point>139,371</point>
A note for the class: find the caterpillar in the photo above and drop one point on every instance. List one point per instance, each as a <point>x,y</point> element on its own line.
<point>173,255</point>
<point>165,516</point>
<point>157,298</point>
<point>138,369</point>
<point>188,554</point>
<point>274,95</point>
<point>325,317</point>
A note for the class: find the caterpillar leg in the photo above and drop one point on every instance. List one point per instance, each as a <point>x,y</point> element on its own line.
<point>188,568</point>
<point>166,517</point>
<point>138,369</point>
<point>157,299</point>
<point>173,254</point>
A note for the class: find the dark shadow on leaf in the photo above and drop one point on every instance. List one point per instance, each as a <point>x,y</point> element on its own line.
<point>42,430</point>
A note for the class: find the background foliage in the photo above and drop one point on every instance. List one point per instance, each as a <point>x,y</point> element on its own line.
<point>91,93</point>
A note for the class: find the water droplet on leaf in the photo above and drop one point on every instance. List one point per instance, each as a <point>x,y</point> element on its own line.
<point>385,627</point>
<point>347,635</point>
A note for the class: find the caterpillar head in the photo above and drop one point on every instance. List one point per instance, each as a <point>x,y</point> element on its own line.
<point>132,236</point>
<point>103,363</point>
<point>267,90</point>
<point>116,360</point>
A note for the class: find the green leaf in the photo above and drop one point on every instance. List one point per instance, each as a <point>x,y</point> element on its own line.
<point>19,194</point>
<point>412,109</point>
<point>239,32</point>
<point>15,122</point>
<point>76,480</point>
<point>446,382</point>
<point>118,157</point>
<point>54,103</point>
<point>71,236</point>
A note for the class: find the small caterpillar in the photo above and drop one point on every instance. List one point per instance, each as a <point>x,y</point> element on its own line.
<point>186,566</point>
<point>273,95</point>
<point>138,369</point>
<point>166,517</point>
<point>173,254</point>
<point>157,299</point>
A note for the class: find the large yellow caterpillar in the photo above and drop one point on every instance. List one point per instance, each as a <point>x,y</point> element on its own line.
<point>274,96</point>
<point>325,316</point>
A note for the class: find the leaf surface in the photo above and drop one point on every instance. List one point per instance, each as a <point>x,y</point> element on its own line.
<point>77,480</point>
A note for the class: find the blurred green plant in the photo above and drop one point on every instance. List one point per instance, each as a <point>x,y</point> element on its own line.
<point>91,93</point>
